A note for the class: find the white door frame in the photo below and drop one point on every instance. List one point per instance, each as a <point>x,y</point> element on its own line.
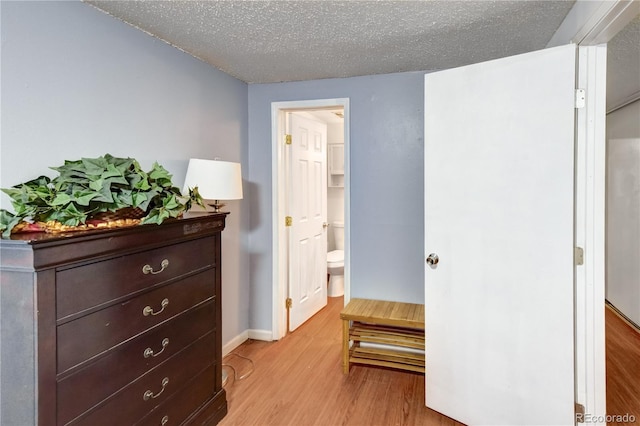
<point>590,24</point>
<point>278,202</point>
<point>590,361</point>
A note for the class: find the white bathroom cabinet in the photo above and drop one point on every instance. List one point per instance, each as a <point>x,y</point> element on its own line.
<point>336,165</point>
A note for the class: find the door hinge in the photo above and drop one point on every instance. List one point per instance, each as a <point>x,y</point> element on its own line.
<point>288,303</point>
<point>579,256</point>
<point>579,413</point>
<point>287,139</point>
<point>288,221</point>
<point>581,96</point>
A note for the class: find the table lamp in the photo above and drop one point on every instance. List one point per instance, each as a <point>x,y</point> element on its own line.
<point>216,180</point>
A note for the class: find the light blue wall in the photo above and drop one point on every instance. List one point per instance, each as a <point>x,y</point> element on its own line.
<point>79,83</point>
<point>76,82</point>
<point>386,185</point>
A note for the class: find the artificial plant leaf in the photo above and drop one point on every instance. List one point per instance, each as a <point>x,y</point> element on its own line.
<point>39,196</point>
<point>194,197</point>
<point>25,210</point>
<point>170,202</point>
<point>104,195</point>
<point>97,184</point>
<point>140,199</point>
<point>95,166</point>
<point>126,196</point>
<point>125,164</point>
<point>7,222</point>
<point>159,172</point>
<point>71,171</point>
<point>156,216</point>
<point>133,179</point>
<point>176,212</point>
<point>37,182</point>
<point>143,199</point>
<point>66,167</point>
<point>62,183</point>
<point>24,191</point>
<point>73,215</point>
<point>164,182</point>
<point>14,193</point>
<point>61,199</point>
<point>117,180</point>
<point>112,171</point>
<point>84,198</point>
<point>142,185</point>
<point>118,203</point>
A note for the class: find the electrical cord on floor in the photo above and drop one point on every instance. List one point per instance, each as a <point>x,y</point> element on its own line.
<point>235,372</point>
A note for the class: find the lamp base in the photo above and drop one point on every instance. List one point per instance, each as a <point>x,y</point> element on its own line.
<point>216,205</point>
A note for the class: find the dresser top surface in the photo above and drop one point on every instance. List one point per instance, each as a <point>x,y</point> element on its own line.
<point>40,250</point>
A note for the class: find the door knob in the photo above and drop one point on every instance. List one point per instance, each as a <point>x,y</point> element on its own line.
<point>433,259</point>
<point>325,225</point>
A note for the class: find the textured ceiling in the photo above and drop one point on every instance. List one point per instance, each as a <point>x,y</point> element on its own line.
<point>273,41</point>
<point>623,66</point>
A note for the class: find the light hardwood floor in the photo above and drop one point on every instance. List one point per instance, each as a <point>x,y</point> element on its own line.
<point>298,381</point>
<point>623,367</point>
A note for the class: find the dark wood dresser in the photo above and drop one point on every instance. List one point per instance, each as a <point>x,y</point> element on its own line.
<point>115,327</point>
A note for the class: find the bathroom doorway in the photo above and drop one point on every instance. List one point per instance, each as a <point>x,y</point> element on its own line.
<point>335,114</point>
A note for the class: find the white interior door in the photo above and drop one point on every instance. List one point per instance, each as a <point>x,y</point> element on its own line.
<point>308,203</point>
<point>499,176</point>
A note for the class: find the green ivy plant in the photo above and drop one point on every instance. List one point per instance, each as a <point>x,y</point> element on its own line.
<point>95,185</point>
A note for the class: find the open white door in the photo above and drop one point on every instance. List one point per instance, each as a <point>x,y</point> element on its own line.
<point>499,214</point>
<point>308,203</point>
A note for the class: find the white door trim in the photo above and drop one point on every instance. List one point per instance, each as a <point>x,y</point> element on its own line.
<point>589,24</point>
<point>590,362</point>
<point>279,234</point>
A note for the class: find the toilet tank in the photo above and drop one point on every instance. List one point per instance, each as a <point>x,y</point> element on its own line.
<point>338,235</point>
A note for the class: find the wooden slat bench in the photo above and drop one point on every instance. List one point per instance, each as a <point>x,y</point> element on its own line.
<point>396,325</point>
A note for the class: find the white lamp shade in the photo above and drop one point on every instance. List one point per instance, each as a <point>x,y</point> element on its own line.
<point>216,180</point>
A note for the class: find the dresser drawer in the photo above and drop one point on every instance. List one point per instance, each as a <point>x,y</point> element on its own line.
<point>139,398</point>
<point>87,286</point>
<point>88,336</point>
<point>122,366</point>
<point>182,405</point>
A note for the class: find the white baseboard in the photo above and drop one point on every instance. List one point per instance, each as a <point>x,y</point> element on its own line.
<point>265,335</point>
<point>234,343</point>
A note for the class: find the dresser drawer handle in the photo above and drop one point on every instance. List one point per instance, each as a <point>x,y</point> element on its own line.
<point>150,395</point>
<point>148,269</point>
<point>149,352</point>
<point>148,310</point>
<point>164,420</point>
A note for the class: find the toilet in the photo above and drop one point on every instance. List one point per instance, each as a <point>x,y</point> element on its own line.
<point>335,262</point>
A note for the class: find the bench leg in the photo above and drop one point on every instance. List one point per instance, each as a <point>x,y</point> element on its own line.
<point>345,346</point>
